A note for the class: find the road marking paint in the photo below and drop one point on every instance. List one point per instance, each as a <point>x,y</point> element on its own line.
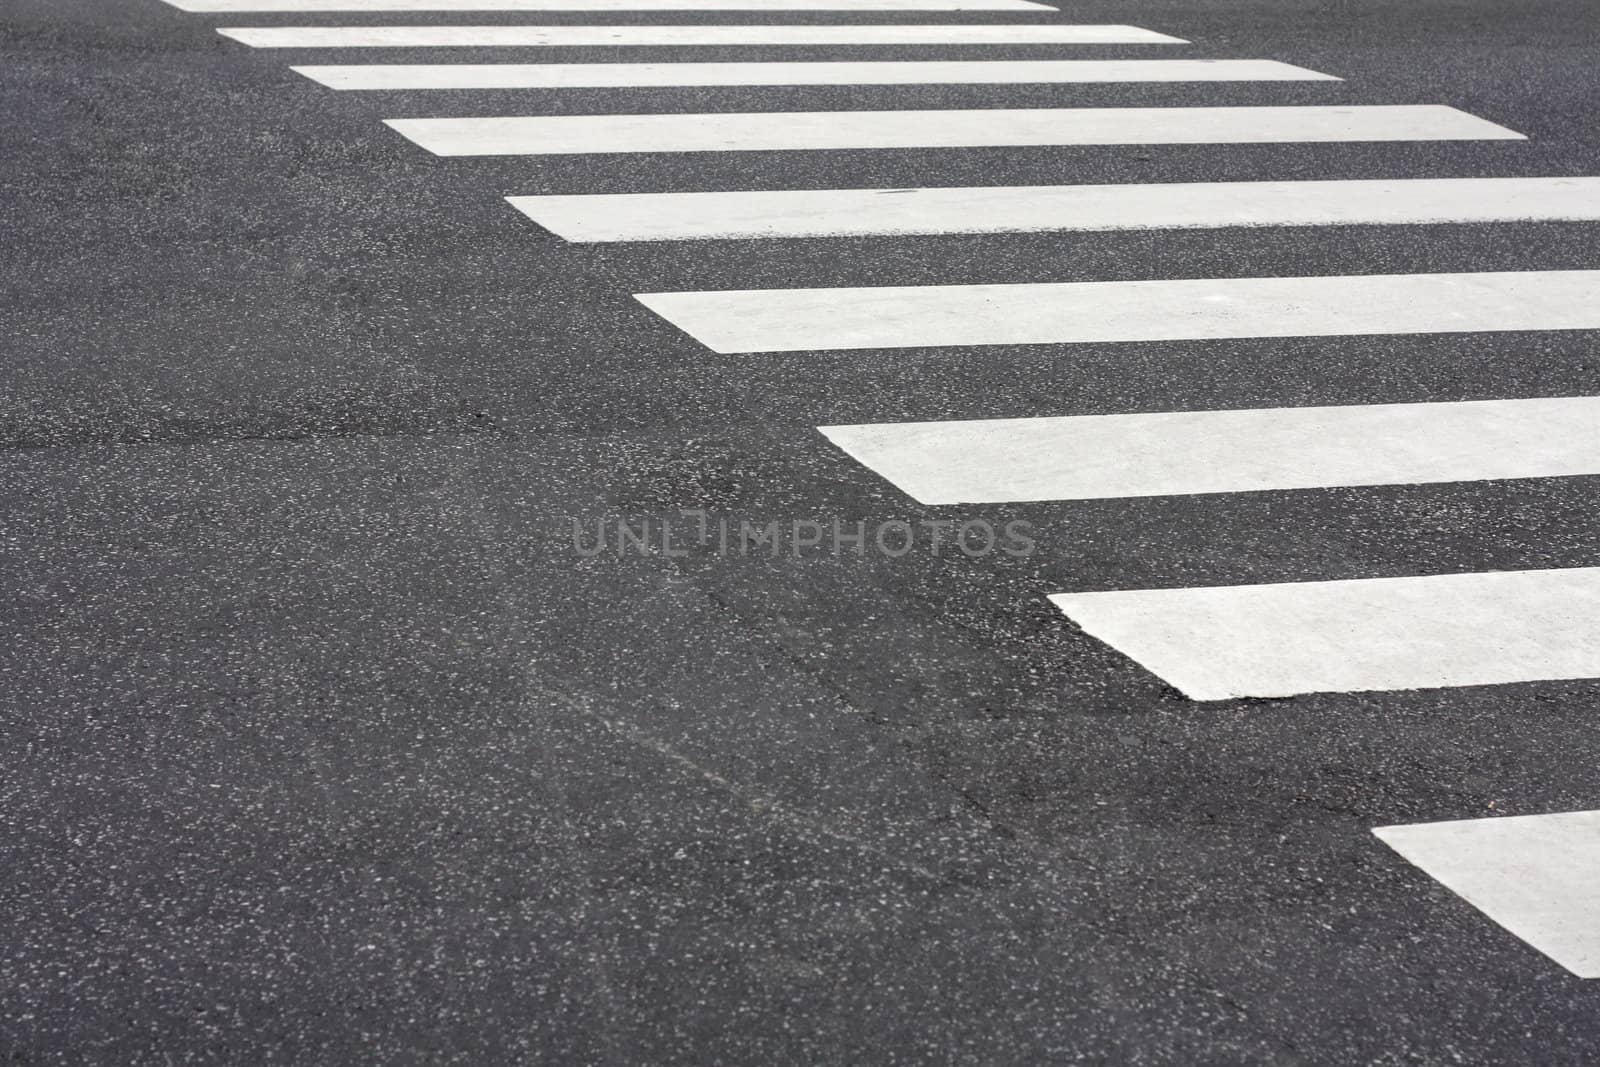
<point>1534,875</point>
<point>1011,209</point>
<point>948,72</point>
<point>790,320</point>
<point>597,36</point>
<point>992,127</point>
<point>1085,457</point>
<point>1218,643</point>
<point>220,6</point>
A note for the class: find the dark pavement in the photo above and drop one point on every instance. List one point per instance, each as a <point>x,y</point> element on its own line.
<point>323,744</point>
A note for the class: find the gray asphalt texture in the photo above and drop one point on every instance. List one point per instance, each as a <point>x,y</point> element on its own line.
<point>322,744</point>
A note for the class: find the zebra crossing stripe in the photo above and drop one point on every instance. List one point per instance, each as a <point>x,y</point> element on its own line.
<point>267,6</point>
<point>948,72</point>
<point>1013,209</point>
<point>1534,875</point>
<point>598,36</point>
<point>790,320</point>
<point>823,130</point>
<point>1218,643</point>
<point>1166,453</point>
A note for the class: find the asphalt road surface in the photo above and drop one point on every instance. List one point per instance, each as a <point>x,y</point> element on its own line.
<point>331,734</point>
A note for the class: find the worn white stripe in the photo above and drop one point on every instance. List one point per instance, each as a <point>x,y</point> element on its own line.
<point>948,72</point>
<point>786,320</point>
<point>597,36</point>
<point>214,6</point>
<point>821,130</point>
<point>1223,642</point>
<point>1003,209</point>
<point>1181,452</point>
<point>1535,875</point>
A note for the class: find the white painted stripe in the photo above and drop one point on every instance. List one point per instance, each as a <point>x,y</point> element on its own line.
<point>822,130</point>
<point>1007,209</point>
<point>273,6</point>
<point>789,320</point>
<point>597,36</point>
<point>1224,642</point>
<point>948,72</point>
<point>1087,457</point>
<point>217,6</point>
<point>1535,875</point>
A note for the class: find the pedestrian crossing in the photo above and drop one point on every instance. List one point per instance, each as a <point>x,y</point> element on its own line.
<point>1425,630</point>
<point>1394,448</point>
